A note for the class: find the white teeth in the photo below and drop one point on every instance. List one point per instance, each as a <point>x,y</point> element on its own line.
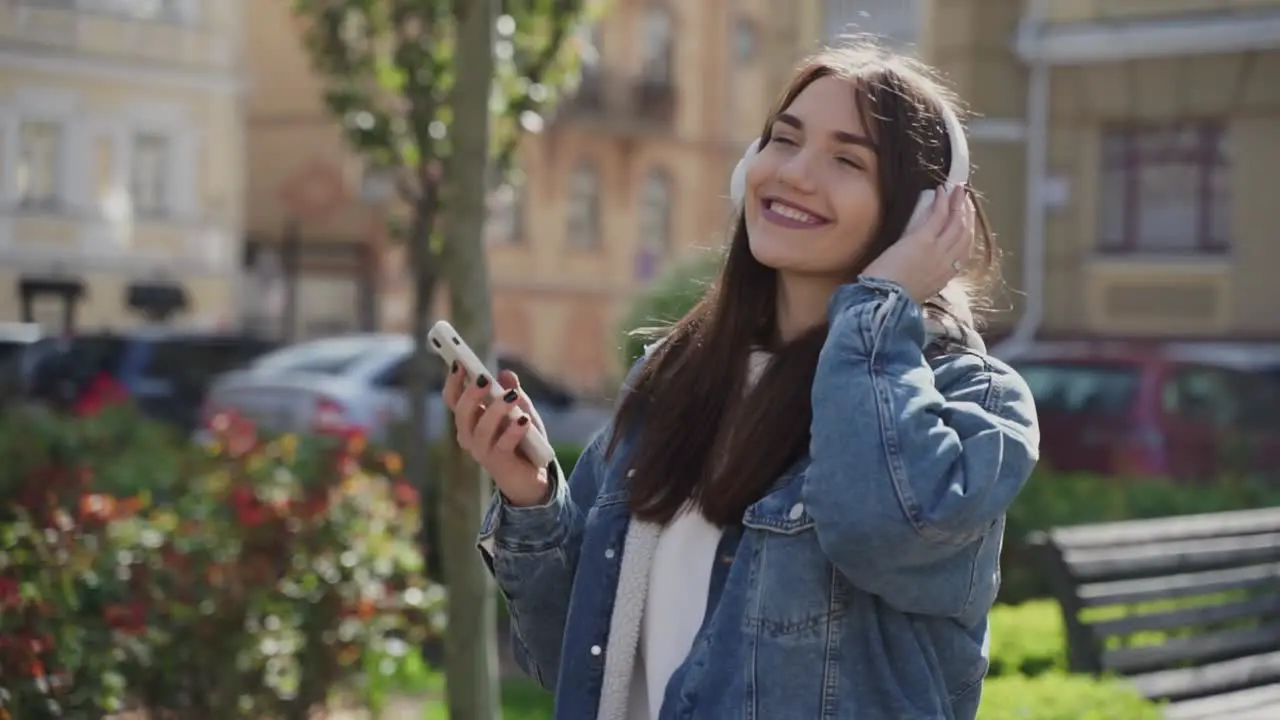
<point>791,213</point>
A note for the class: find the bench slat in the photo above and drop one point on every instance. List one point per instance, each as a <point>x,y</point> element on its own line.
<point>1265,701</point>
<point>1203,648</point>
<point>1187,527</point>
<point>1216,678</point>
<point>1172,587</point>
<point>1257,607</point>
<point>1126,563</point>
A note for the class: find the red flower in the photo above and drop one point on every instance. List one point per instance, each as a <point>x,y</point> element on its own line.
<point>10,593</point>
<point>250,511</point>
<point>129,619</point>
<point>103,392</point>
<point>405,494</point>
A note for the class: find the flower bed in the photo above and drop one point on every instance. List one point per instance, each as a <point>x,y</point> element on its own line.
<point>248,579</point>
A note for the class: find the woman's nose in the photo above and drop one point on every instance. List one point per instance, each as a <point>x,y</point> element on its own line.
<point>797,172</point>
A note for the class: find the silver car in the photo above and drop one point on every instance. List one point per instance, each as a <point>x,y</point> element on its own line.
<point>361,381</point>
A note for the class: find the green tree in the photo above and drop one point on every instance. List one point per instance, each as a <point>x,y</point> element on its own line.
<point>435,95</point>
<point>668,299</point>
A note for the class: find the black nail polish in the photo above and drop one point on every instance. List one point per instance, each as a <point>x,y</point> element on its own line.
<point>454,367</point>
<point>524,420</point>
<point>511,396</point>
<point>482,381</point>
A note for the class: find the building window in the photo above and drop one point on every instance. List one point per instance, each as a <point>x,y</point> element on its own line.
<point>1165,189</point>
<point>584,207</point>
<point>149,183</point>
<point>746,38</point>
<point>656,45</point>
<point>506,214</point>
<point>655,211</point>
<point>39,164</point>
<point>166,10</point>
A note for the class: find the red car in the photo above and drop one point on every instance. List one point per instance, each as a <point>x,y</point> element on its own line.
<point>1187,413</point>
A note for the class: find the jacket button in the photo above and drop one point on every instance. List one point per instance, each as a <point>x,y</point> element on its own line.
<point>608,554</point>
<point>595,650</point>
<point>631,472</point>
<point>796,511</point>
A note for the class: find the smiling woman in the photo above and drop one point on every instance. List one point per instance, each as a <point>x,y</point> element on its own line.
<point>798,508</point>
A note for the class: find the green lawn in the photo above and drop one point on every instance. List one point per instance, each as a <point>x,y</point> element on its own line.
<point>522,699</point>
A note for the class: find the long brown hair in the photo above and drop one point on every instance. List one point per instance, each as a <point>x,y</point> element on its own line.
<point>696,438</point>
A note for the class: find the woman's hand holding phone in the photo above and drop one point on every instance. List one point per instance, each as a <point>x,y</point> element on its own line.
<point>486,433</point>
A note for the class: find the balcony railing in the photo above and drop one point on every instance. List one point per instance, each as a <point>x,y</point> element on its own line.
<point>623,101</point>
<point>105,28</point>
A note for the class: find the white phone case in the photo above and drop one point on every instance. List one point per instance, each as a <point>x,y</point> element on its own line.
<point>448,344</point>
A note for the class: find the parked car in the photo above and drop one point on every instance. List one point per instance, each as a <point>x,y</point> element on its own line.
<point>361,381</point>
<point>165,371</point>
<point>1128,411</point>
<point>16,337</point>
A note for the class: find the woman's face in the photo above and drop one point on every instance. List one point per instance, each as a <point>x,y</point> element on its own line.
<point>812,201</point>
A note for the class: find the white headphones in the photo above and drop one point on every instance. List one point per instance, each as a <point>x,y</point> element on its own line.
<point>957,174</point>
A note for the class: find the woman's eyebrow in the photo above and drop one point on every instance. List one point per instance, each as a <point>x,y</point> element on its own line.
<point>842,136</point>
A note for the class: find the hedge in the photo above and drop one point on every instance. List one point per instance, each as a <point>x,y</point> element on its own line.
<point>242,580</point>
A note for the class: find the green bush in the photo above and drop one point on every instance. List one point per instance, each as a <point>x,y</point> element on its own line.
<point>244,580</point>
<point>667,300</point>
<point>1057,696</point>
<point>1027,639</point>
<point>1052,500</point>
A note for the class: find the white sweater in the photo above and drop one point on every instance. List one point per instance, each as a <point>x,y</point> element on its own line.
<point>676,601</point>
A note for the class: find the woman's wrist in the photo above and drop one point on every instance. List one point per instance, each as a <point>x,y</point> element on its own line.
<point>536,493</point>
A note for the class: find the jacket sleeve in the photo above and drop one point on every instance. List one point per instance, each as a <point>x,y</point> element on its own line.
<point>913,465</point>
<point>533,553</point>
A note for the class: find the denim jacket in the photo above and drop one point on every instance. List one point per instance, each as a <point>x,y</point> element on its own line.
<point>858,587</point>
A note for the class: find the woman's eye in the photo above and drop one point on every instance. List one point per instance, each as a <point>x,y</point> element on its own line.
<point>784,141</point>
<point>849,162</point>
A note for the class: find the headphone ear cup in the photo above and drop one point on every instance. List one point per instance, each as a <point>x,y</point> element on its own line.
<point>922,210</point>
<point>738,181</point>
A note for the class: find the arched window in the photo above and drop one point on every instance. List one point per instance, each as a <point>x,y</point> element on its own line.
<point>655,211</point>
<point>584,207</point>
<point>657,46</point>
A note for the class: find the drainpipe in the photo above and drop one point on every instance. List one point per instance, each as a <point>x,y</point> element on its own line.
<point>1037,167</point>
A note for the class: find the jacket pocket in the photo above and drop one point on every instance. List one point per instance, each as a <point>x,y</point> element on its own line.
<point>795,591</point>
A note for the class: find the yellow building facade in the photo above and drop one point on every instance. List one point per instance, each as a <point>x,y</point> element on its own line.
<point>121,161</point>
<point>313,231</point>
<point>1129,160</point>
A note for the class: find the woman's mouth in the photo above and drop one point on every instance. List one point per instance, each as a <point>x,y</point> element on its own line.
<point>790,216</point>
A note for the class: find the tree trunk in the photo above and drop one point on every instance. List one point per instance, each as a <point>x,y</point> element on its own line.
<point>471,652</point>
<point>413,442</point>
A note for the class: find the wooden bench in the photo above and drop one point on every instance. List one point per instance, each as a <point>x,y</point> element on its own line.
<point>1209,585</point>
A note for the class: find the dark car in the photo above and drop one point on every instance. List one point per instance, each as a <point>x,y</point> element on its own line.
<point>166,372</point>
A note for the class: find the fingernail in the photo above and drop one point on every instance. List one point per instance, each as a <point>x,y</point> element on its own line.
<point>482,381</point>
<point>454,367</point>
<point>524,420</point>
<point>511,396</point>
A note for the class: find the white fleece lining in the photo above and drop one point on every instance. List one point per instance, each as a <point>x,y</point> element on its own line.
<point>627,618</point>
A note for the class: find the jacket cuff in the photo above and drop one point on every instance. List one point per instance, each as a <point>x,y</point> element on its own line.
<point>535,528</point>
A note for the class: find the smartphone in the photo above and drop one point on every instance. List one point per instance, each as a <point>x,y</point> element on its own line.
<point>448,344</point>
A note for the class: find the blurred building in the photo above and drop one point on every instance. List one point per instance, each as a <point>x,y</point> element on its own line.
<point>1128,151</point>
<point>121,146</point>
<point>314,226</point>
<point>631,173</point>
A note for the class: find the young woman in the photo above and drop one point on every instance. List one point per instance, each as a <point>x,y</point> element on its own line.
<point>797,511</point>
